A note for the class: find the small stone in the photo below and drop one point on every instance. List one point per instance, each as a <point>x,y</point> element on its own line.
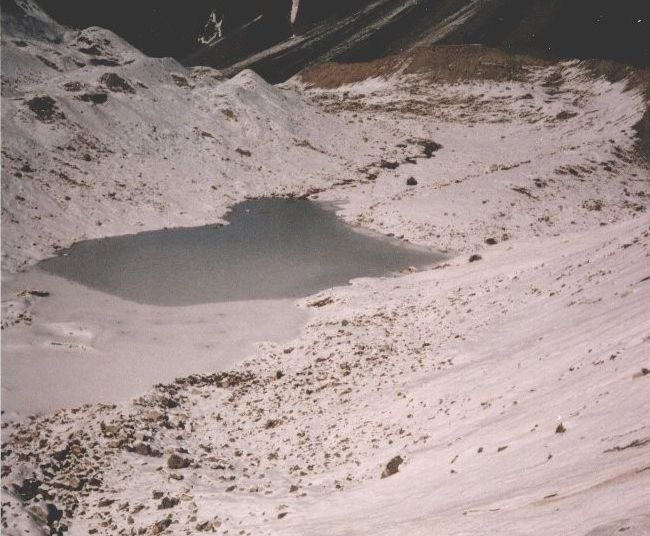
<point>560,429</point>
<point>145,450</point>
<point>205,526</point>
<point>160,526</point>
<point>392,467</point>
<point>152,415</point>
<point>178,462</point>
<point>474,258</point>
<point>168,502</point>
<point>411,181</point>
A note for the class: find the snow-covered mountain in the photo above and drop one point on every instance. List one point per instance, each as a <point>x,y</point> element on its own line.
<point>504,391</point>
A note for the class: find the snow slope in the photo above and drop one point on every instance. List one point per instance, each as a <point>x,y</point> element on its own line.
<point>195,142</point>
<point>503,395</point>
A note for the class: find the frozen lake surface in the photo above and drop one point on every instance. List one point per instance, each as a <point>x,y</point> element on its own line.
<point>271,249</point>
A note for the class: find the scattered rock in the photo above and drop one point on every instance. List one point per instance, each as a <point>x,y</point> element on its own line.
<point>634,444</point>
<point>180,80</point>
<point>160,526</point>
<point>564,115</point>
<point>73,86</point>
<point>169,403</point>
<point>49,63</point>
<point>116,83</point>
<point>411,181</point>
<point>474,258</point>
<point>50,514</point>
<point>392,467</point>
<point>491,241</point>
<point>430,147</point>
<point>388,164</point>
<point>37,293</point>
<point>94,98</point>
<point>105,62</point>
<point>205,526</point>
<point>109,430</point>
<point>168,502</point>
<point>178,462</point>
<point>524,191</point>
<point>92,50</point>
<point>145,450</point>
<point>45,108</point>
<point>243,152</point>
<point>594,205</point>
<point>29,489</point>
<point>321,303</point>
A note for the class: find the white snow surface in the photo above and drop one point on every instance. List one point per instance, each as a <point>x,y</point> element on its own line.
<point>465,372</point>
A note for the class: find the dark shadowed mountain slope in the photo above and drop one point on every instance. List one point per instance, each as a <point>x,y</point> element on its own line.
<point>281,37</point>
<point>551,28</point>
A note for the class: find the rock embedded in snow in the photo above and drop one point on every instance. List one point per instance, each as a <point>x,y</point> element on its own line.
<point>45,108</point>
<point>116,83</point>
<point>392,467</point>
<point>168,502</point>
<point>94,98</point>
<point>178,462</point>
